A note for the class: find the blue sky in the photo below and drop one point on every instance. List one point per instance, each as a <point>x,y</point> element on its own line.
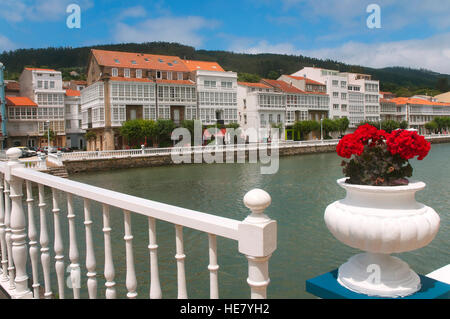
<point>414,33</point>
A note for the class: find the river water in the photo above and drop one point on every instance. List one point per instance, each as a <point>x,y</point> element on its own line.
<point>301,190</point>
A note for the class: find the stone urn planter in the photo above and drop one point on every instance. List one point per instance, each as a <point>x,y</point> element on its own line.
<point>381,220</point>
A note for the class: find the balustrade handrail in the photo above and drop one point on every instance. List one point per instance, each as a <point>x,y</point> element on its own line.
<point>216,225</point>
<point>255,235</point>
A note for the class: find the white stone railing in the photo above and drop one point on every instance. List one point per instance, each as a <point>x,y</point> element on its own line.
<point>77,156</point>
<point>256,236</point>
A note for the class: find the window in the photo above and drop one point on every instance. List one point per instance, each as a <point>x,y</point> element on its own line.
<point>68,124</point>
<point>270,118</point>
<point>343,96</point>
<point>336,94</point>
<point>117,61</point>
<point>139,74</point>
<point>115,72</point>
<point>158,75</point>
<point>126,73</point>
<point>133,62</point>
<point>52,84</point>
<point>335,82</point>
<point>278,118</point>
<point>344,107</point>
<point>39,84</point>
<point>169,75</point>
<point>67,108</point>
<point>45,84</point>
<point>179,76</point>
<point>336,106</point>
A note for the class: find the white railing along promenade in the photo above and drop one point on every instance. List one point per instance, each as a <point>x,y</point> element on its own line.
<point>59,158</point>
<point>24,245</point>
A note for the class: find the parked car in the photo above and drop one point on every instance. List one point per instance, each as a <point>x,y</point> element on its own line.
<point>66,149</point>
<point>26,152</point>
<point>52,149</point>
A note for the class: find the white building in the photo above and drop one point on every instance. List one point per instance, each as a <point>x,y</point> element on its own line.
<point>217,92</point>
<point>74,131</point>
<point>352,95</point>
<point>280,103</point>
<point>43,87</point>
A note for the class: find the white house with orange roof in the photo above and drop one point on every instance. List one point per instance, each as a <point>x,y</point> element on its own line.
<point>40,103</point>
<point>352,95</point>
<point>124,86</point>
<point>416,111</point>
<point>217,92</point>
<point>259,106</point>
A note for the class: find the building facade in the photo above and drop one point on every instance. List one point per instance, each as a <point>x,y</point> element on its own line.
<point>38,109</point>
<point>352,95</point>
<point>280,103</point>
<point>75,134</point>
<point>123,86</point>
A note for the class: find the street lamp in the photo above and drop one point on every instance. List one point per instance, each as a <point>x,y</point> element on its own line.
<point>321,125</point>
<point>48,135</point>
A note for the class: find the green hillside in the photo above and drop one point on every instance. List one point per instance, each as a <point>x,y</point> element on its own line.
<point>251,67</point>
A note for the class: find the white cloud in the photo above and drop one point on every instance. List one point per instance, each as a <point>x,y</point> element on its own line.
<point>6,44</point>
<point>185,30</point>
<point>133,12</point>
<point>38,10</point>
<point>431,53</point>
<point>262,46</point>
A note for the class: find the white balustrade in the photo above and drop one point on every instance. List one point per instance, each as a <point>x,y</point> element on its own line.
<point>44,241</point>
<point>4,261</point>
<point>58,245</point>
<point>18,227</point>
<point>155,286</point>
<point>90,256</point>
<point>109,265</point>
<point>256,236</point>
<point>32,235</point>
<point>75,275</point>
<point>131,282</point>
<point>180,256</point>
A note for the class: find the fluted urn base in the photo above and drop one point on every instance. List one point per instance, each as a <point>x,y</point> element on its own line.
<point>378,275</point>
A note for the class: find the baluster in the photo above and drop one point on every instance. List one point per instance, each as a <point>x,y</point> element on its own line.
<point>131,282</point>
<point>44,239</point>
<point>4,276</point>
<point>90,256</point>
<point>8,236</point>
<point>18,228</point>
<point>155,287</point>
<point>32,235</point>
<point>257,241</point>
<point>180,256</point>
<point>58,245</point>
<point>109,265</point>
<point>73,250</point>
<point>213,267</point>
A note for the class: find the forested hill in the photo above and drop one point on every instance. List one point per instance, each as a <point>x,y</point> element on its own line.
<point>250,67</point>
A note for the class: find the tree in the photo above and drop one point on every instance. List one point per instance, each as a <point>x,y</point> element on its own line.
<point>90,135</point>
<point>52,136</point>
<point>149,130</point>
<point>305,127</point>
<point>247,77</point>
<point>133,132</point>
<point>443,85</point>
<point>342,124</point>
<point>431,127</point>
<point>390,125</point>
<point>329,126</point>
<point>404,125</point>
<point>164,130</point>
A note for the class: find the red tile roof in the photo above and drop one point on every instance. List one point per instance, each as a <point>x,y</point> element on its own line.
<point>308,81</point>
<point>38,69</point>
<point>139,60</point>
<point>73,92</point>
<point>283,86</point>
<point>407,100</point>
<point>255,85</point>
<point>193,65</point>
<point>19,101</point>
